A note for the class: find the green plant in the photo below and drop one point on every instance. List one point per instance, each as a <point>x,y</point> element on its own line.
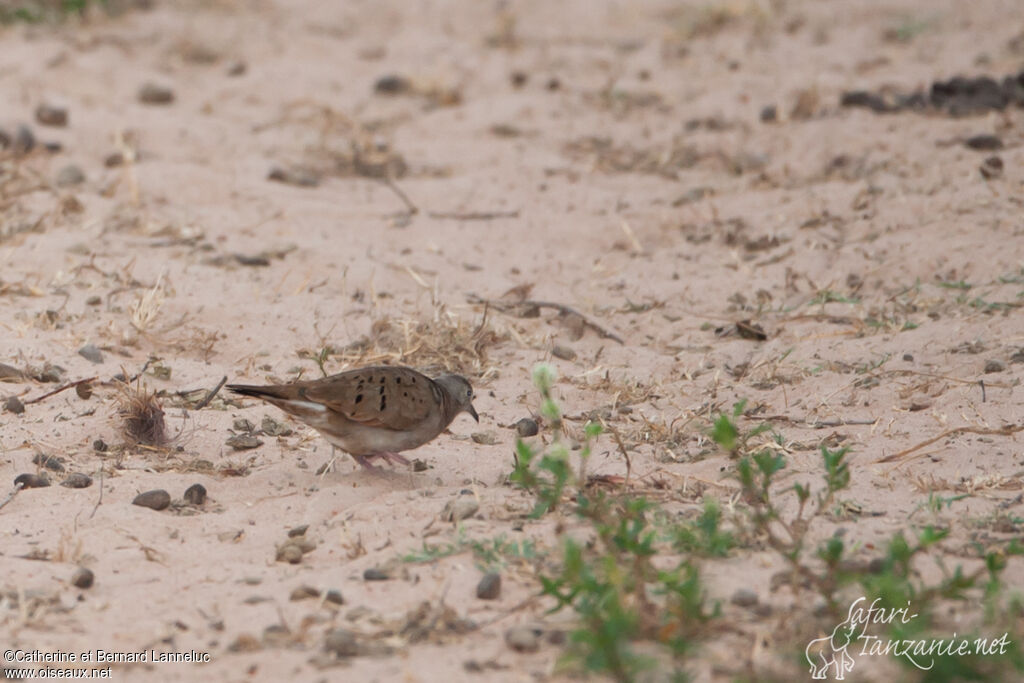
<point>704,536</point>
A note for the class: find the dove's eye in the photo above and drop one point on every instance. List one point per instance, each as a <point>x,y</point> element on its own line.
<point>469,393</point>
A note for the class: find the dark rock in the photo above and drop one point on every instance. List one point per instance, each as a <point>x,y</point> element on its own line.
<point>152,93</point>
<point>32,481</point>
<point>376,574</point>
<point>14,405</point>
<point>157,499</point>
<point>527,427</point>
<point>392,84</point>
<point>991,168</point>
<point>91,353</point>
<point>984,142</point>
<point>744,597</point>
<point>83,578</point>
<point>51,115</point>
<point>994,365</point>
<point>769,114</point>
<point>77,480</point>
<point>195,494</point>
<point>489,587</point>
<point>341,642</point>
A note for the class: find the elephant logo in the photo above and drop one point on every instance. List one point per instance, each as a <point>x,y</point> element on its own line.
<point>833,650</point>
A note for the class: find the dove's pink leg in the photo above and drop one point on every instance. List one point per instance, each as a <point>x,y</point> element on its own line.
<point>364,460</point>
<point>393,458</point>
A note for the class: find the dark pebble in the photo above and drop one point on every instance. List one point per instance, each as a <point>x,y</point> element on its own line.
<point>157,499</point>
<point>527,427</point>
<point>83,578</point>
<point>984,142</point>
<point>769,114</point>
<point>744,597</point>
<point>14,405</point>
<point>991,168</point>
<point>375,574</point>
<point>908,357</point>
<point>334,597</point>
<point>299,177</point>
<point>69,175</point>
<point>304,593</point>
<point>50,115</point>
<point>392,84</point>
<point>50,462</point>
<point>563,352</point>
<point>32,481</point>
<point>151,93</point>
<point>77,480</point>
<point>195,494</point>
<point>298,531</point>
<point>91,353</point>
<point>519,78</point>
<point>84,391</point>
<point>995,366</point>
<point>100,446</point>
<point>243,442</point>
<point>489,587</point>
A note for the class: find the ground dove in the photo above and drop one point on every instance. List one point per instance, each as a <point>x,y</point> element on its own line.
<point>372,412</point>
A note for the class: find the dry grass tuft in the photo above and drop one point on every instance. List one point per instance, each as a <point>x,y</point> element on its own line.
<point>446,342</point>
<point>142,417</point>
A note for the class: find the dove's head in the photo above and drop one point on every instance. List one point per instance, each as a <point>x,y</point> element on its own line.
<point>460,392</point>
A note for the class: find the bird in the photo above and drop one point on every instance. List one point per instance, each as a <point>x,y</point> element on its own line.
<point>372,412</point>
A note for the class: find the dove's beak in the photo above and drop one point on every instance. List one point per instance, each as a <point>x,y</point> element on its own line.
<point>472,411</point>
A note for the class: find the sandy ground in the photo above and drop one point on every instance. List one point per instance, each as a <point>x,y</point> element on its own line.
<point>609,154</point>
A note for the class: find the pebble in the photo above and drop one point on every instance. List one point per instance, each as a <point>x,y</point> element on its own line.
<point>91,353</point>
<point>237,69</point>
<point>157,499</point>
<point>334,597</point>
<point>83,578</point>
<point>70,175</point>
<point>77,480</point>
<point>744,597</point>
<point>484,438</point>
<point>298,531</point>
<point>14,405</point>
<point>242,425</point>
<point>769,114</point>
<point>527,427</point>
<point>272,427</point>
<point>50,462</point>
<point>991,168</point>
<point>375,574</point>
<point>563,352</point>
<point>489,587</point>
<point>392,84</point>
<point>290,553</point>
<point>523,638</point>
<point>460,508</point>
<point>152,93</point>
<point>51,115</point>
<point>100,446</point>
<point>304,593</point>
<point>84,390</point>
<point>243,442</point>
<point>32,481</point>
<point>984,142</point>
<point>341,642</point>
<point>300,177</point>
<point>908,357</point>
<point>195,494</point>
<point>994,365</point>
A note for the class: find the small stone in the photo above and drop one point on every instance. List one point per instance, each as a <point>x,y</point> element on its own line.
<point>298,531</point>
<point>991,168</point>
<point>51,115</point>
<point>304,593</point>
<point>298,176</point>
<point>157,499</point>
<point>9,373</point>
<point>69,175</point>
<point>484,438</point>
<point>984,142</point>
<point>32,481</point>
<point>237,69</point>
<point>523,638</point>
<point>243,442</point>
<point>14,405</point>
<point>392,84</point>
<point>272,427</point>
<point>769,114</point>
<point>50,462</point>
<point>290,553</point>
<point>242,425</point>
<point>527,427</point>
<point>24,141</point>
<point>91,353</point>
<point>84,390</point>
<point>744,597</point>
<point>77,480</point>
<point>419,465</point>
<point>489,587</point>
<point>460,508</point>
<point>341,642</point>
<point>518,78</point>
<point>113,160</point>
<point>908,357</point>
<point>83,578</point>
<point>1018,356</point>
<point>334,597</point>
<point>152,93</point>
<point>195,494</point>
<point>100,446</point>
<point>50,374</point>
<point>563,352</point>
<point>994,365</point>
<point>93,300</point>
<point>376,574</point>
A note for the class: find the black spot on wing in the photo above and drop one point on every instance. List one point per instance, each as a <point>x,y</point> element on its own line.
<point>359,398</point>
